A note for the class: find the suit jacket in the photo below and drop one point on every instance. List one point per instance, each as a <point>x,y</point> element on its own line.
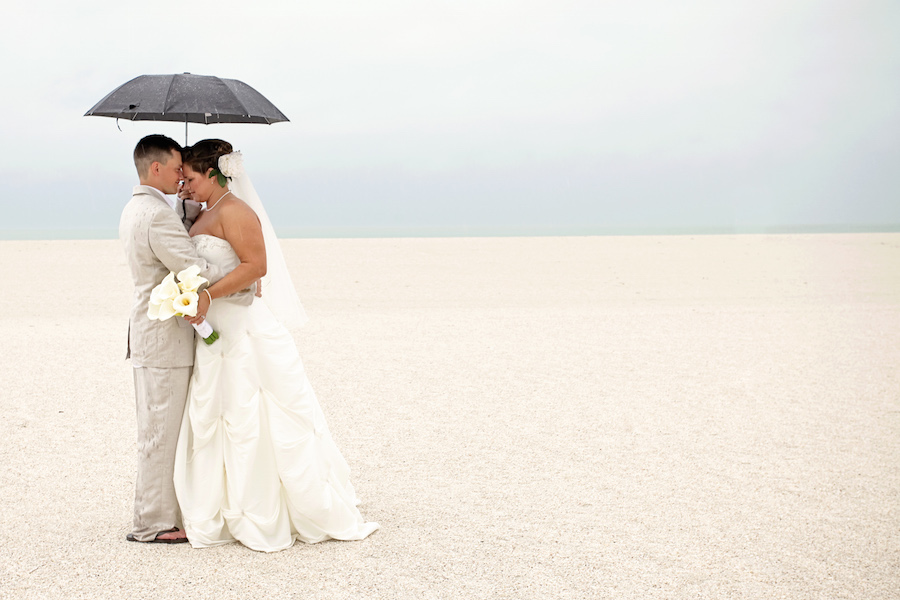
<point>157,242</point>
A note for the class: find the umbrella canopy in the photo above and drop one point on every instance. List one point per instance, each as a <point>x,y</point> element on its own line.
<point>187,98</point>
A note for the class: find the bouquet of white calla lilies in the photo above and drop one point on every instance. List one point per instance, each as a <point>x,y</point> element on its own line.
<point>170,299</point>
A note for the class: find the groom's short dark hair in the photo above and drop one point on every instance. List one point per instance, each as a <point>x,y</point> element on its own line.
<point>151,149</point>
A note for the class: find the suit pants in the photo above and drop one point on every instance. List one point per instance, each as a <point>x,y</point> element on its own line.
<point>160,396</point>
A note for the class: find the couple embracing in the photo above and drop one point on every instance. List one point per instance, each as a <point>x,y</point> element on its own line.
<point>232,443</point>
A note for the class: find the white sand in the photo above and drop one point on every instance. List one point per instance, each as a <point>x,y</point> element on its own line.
<point>613,417</point>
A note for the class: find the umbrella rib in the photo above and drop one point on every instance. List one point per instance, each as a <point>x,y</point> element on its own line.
<point>169,94</point>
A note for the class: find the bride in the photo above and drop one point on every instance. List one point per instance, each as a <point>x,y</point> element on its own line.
<point>255,461</point>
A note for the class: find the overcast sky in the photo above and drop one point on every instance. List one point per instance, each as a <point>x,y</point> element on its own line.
<point>478,115</point>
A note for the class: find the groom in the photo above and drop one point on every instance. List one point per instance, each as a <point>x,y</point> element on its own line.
<point>156,242</point>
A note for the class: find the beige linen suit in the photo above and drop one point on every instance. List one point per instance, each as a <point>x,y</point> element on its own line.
<point>156,242</point>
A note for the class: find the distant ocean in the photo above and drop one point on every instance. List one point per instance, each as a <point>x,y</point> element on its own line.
<point>474,231</point>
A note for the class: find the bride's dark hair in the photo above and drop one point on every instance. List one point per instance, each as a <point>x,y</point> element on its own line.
<point>205,154</point>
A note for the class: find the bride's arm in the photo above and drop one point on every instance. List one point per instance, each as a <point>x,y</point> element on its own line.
<point>241,229</point>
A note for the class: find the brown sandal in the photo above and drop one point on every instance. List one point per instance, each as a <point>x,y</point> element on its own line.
<point>130,537</point>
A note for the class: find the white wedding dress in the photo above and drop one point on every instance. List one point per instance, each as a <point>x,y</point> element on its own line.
<point>255,461</point>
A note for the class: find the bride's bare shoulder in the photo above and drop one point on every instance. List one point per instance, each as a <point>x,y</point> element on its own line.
<point>240,225</point>
<point>237,209</point>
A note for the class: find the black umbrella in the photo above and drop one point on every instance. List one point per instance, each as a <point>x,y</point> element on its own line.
<point>187,98</point>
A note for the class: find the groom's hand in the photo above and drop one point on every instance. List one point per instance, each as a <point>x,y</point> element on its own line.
<point>184,190</point>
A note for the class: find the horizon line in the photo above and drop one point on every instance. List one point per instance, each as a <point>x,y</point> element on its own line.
<point>80,233</point>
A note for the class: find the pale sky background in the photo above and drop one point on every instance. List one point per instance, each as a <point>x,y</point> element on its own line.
<point>477,115</point>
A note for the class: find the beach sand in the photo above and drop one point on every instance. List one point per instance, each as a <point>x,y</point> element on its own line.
<point>583,417</point>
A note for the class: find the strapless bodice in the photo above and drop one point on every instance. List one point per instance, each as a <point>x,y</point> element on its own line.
<point>217,251</point>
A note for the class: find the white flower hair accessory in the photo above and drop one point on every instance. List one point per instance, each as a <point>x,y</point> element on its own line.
<point>231,165</point>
